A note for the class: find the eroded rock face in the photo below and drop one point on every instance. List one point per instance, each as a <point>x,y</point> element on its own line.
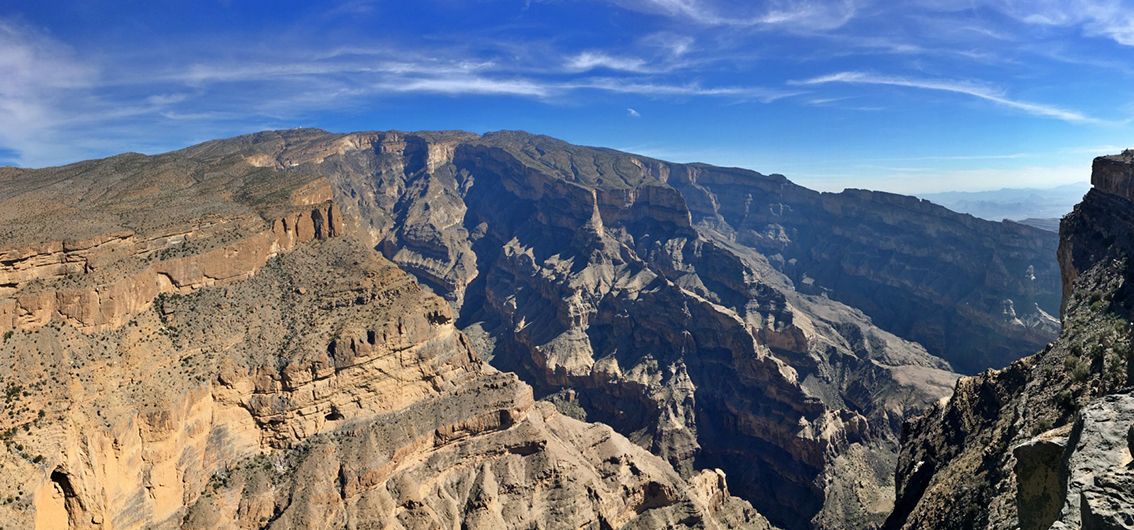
<point>1044,443</point>
<point>917,269</point>
<point>698,310</point>
<point>1040,488</point>
<point>1113,175</point>
<point>270,370</point>
<point>1096,468</point>
<point>99,281</point>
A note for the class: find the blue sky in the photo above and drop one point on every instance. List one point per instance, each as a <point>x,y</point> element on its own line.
<point>911,96</point>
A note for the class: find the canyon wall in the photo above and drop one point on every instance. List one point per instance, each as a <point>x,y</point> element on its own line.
<point>227,335</point>
<point>717,317</point>
<point>1045,442</point>
<point>246,360</point>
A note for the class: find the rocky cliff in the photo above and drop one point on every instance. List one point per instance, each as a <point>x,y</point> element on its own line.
<point>1047,441</point>
<point>226,336</point>
<point>976,293</point>
<point>717,317</point>
<point>208,342</point>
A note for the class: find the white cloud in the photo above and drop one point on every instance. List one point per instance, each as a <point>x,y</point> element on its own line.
<point>166,99</point>
<point>1112,19</point>
<point>647,88</point>
<point>39,78</point>
<point>462,85</point>
<point>808,15</point>
<point>587,61</point>
<point>633,113</point>
<point>956,87</point>
<point>60,106</point>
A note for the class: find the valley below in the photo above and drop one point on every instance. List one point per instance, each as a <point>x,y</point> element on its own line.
<point>305,329</point>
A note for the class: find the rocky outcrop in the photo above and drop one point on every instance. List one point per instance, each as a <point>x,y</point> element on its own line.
<point>1045,442</point>
<point>1096,470</point>
<point>386,184</point>
<point>269,369</point>
<point>1039,478</point>
<point>96,281</point>
<point>1113,175</point>
<point>106,301</point>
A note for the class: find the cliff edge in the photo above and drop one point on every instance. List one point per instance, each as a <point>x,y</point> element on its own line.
<point>1047,441</point>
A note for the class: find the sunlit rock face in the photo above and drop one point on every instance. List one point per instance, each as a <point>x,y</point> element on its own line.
<point>213,342</point>
<point>717,317</point>
<point>1045,442</point>
<point>304,329</point>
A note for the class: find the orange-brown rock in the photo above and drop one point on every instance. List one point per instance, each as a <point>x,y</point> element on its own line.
<point>716,316</point>
<point>99,282</point>
<point>243,359</point>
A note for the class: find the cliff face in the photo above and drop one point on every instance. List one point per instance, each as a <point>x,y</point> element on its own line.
<point>976,293</point>
<point>227,336</point>
<point>708,314</point>
<point>1046,442</point>
<point>208,342</point>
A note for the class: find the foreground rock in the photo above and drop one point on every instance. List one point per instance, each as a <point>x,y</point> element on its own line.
<point>1046,442</point>
<point>717,317</point>
<point>206,345</point>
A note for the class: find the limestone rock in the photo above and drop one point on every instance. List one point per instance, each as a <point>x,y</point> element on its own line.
<point>701,311</point>
<point>1040,488</point>
<point>242,358</point>
<point>714,317</point>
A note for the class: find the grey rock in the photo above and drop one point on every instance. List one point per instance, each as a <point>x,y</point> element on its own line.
<point>1098,477</point>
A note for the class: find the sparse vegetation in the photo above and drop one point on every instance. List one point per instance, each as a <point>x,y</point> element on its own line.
<point>1077,367</point>
<point>1042,426</point>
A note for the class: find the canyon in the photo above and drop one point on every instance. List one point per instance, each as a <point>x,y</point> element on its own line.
<point>1047,441</point>
<point>411,330</point>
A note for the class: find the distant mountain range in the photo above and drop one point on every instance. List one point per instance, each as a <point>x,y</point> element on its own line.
<point>1013,203</point>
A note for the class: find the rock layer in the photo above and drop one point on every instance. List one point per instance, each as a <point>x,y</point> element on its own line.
<point>262,367</point>
<point>256,364</point>
<point>698,310</point>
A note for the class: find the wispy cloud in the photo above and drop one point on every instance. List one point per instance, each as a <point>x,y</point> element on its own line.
<point>623,86</point>
<point>589,60</point>
<point>467,85</point>
<point>40,76</point>
<point>633,113</point>
<point>1112,19</point>
<point>149,93</point>
<point>59,106</point>
<point>956,87</point>
<point>675,45</point>
<point>810,14</point>
<point>454,78</point>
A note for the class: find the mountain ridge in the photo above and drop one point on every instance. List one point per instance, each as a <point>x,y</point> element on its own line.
<point>582,221</point>
<point>716,317</point>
